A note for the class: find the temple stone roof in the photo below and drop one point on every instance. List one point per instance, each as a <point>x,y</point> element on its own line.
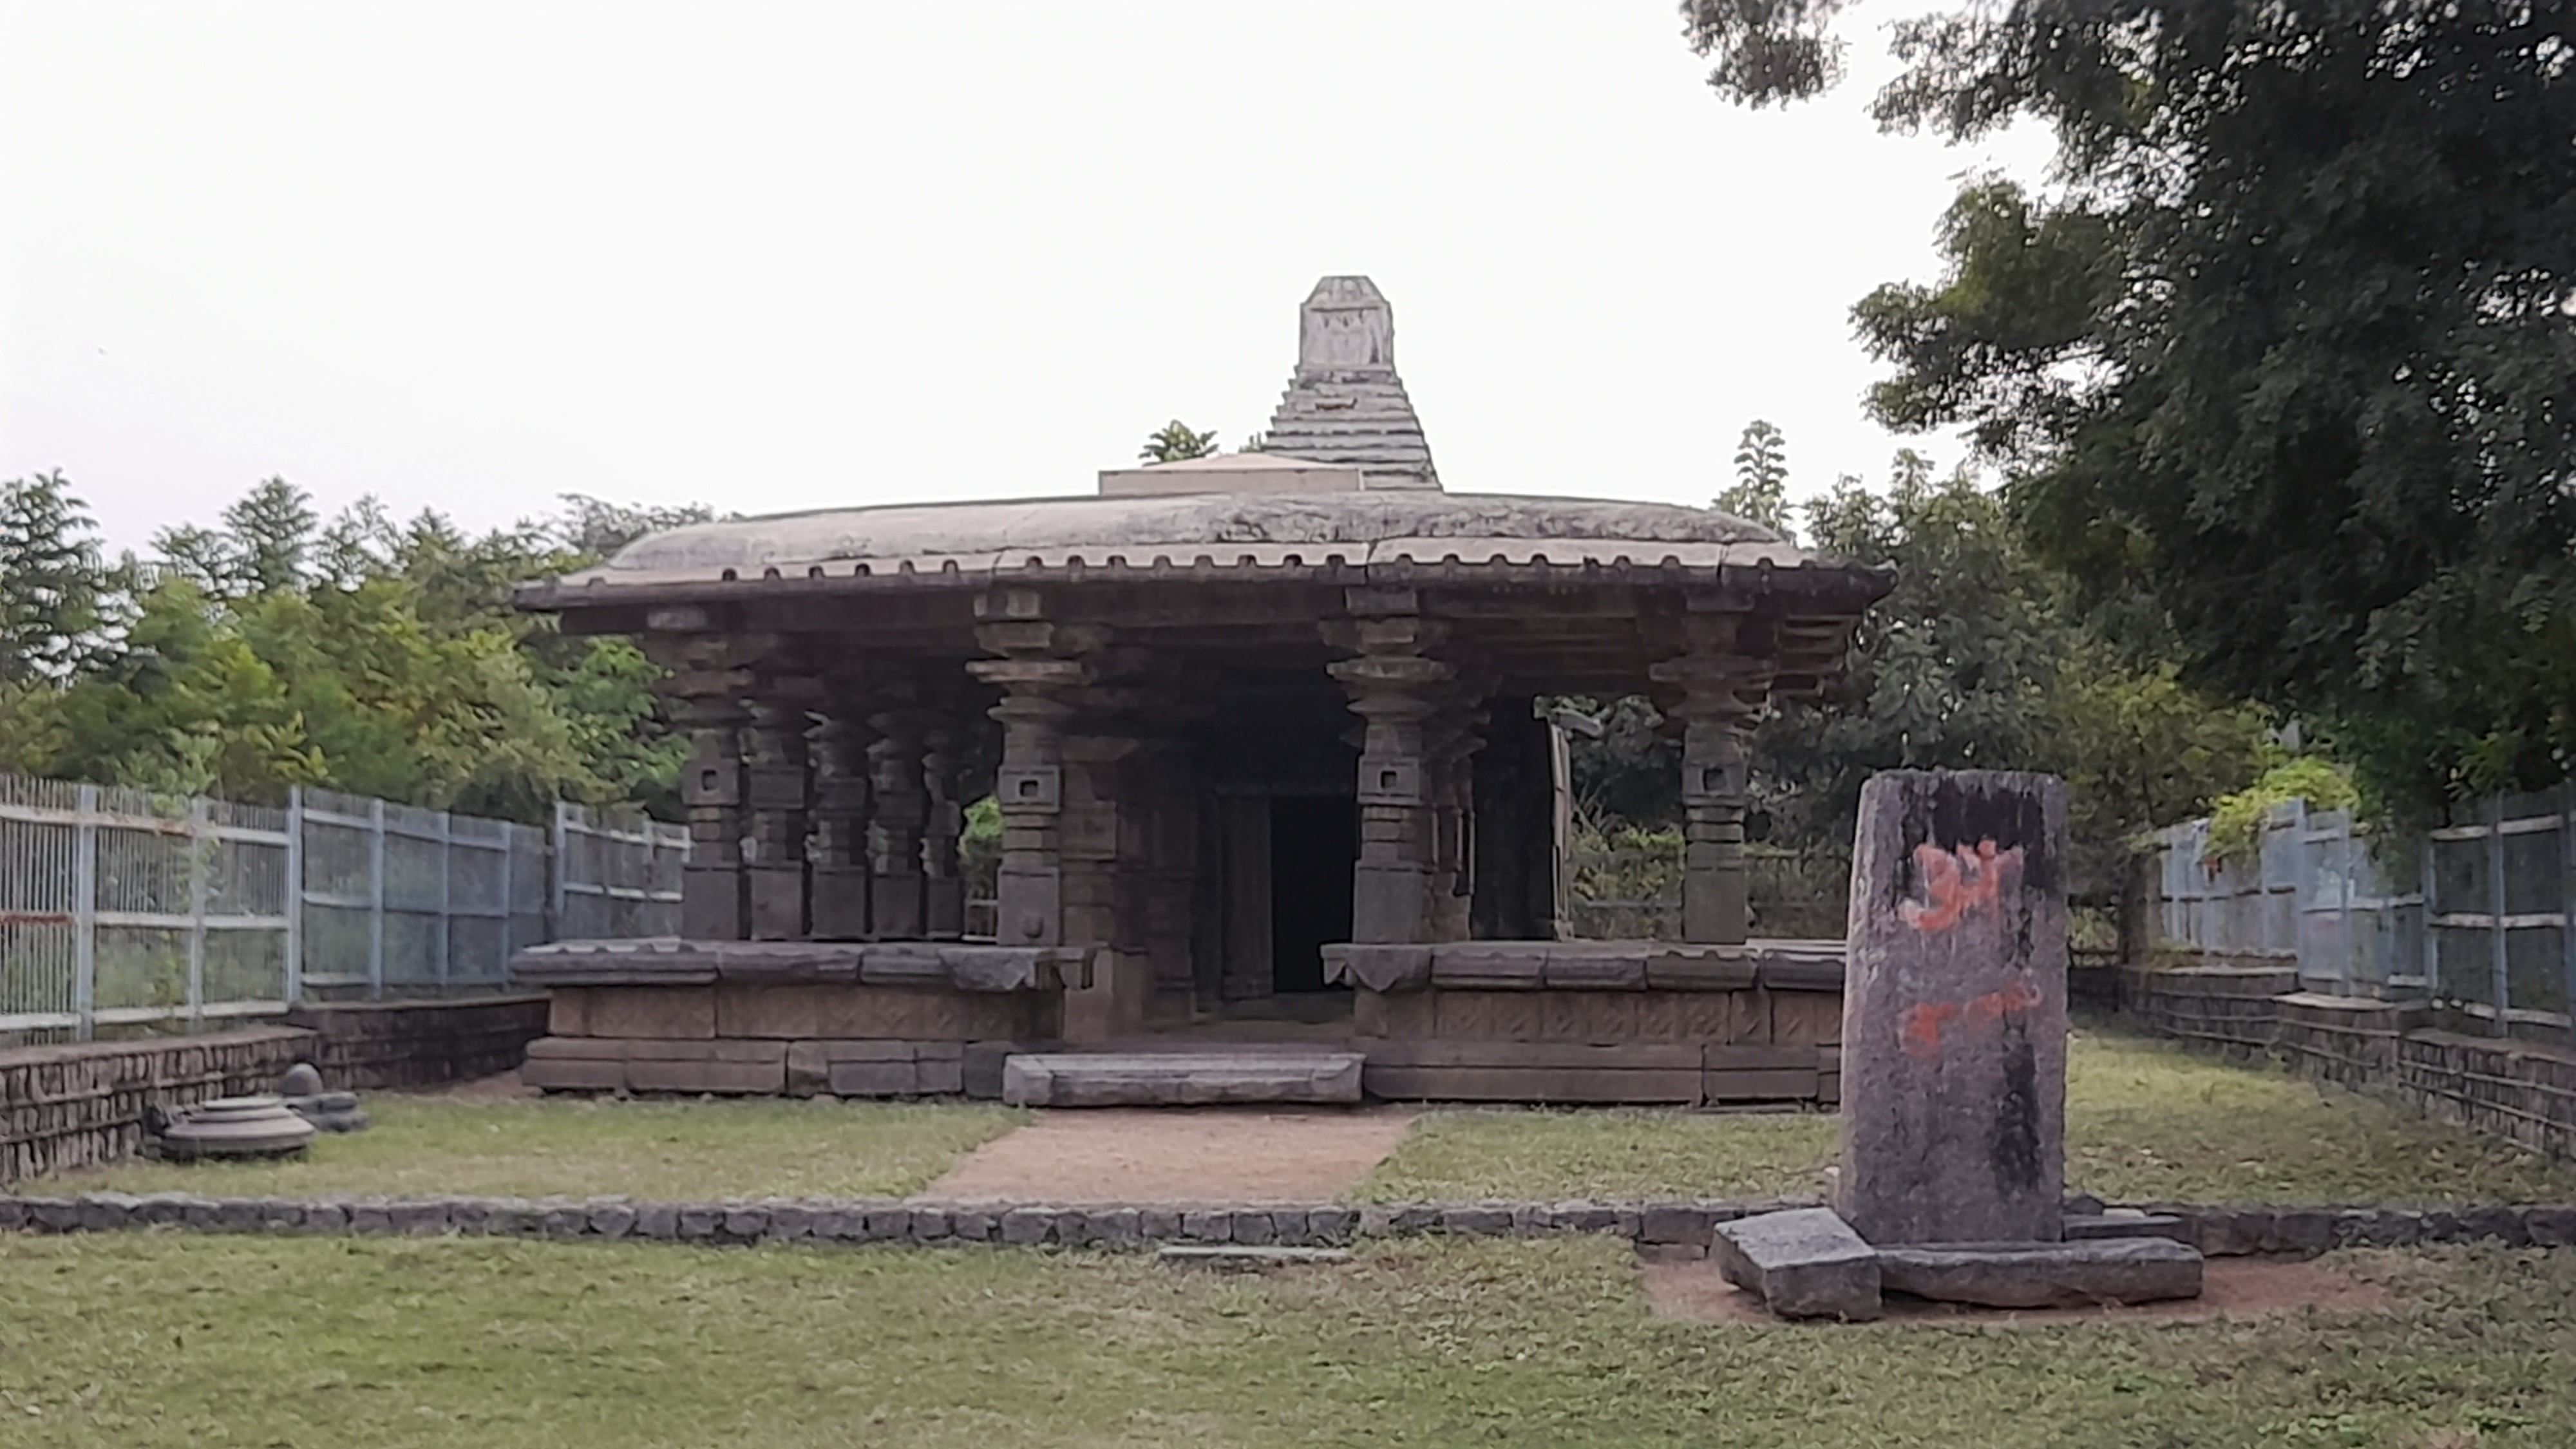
<point>1343,493</point>
<point>1345,403</point>
<point>1225,529</point>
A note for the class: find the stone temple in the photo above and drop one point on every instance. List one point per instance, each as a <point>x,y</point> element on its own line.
<point>1279,795</point>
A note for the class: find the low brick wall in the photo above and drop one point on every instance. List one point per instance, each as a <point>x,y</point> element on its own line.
<point>2351,1041</point>
<point>1679,1227</point>
<point>369,1045</point>
<point>63,1107</point>
<point>2228,1008</point>
<point>2524,1092</point>
<point>2519,1091</point>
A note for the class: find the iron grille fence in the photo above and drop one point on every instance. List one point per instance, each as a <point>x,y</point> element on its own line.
<point>617,873</point>
<point>125,908</point>
<point>2474,914</point>
<point>1629,888</point>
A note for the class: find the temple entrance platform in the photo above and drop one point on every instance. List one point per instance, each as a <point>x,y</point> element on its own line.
<point>1537,1022</point>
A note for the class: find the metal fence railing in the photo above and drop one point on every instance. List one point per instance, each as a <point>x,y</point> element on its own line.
<point>1630,889</point>
<point>617,873</point>
<point>120,907</point>
<point>2473,914</point>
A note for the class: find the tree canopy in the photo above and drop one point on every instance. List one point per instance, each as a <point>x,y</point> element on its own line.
<point>2287,348</point>
<point>1175,441</point>
<point>272,650</point>
<point>1984,656</point>
<point>1760,492</point>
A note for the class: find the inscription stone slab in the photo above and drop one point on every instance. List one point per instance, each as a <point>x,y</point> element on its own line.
<point>1954,1010</point>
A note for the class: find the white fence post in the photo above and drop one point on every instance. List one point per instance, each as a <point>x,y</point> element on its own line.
<point>2430,943</point>
<point>375,900</point>
<point>85,913</point>
<point>2499,973</point>
<point>201,850</point>
<point>446,900</point>
<point>2347,876</point>
<point>294,895</point>
<point>509,899</point>
<point>2567,891</point>
<point>558,897</point>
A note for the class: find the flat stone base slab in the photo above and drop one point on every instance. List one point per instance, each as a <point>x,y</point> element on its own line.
<point>2043,1275</point>
<point>1238,1259</point>
<point>1806,1263</point>
<point>2126,1223</point>
<point>1181,1079</point>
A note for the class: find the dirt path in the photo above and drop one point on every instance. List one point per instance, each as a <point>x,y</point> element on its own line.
<point>1207,1155</point>
<point>2238,1288</point>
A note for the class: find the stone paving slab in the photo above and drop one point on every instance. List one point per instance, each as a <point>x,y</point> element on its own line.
<point>1678,1227</point>
<point>1181,1079</point>
<point>1806,1263</point>
<point>2043,1275</point>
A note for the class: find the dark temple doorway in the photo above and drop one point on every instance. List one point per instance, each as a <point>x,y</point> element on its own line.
<point>1314,843</point>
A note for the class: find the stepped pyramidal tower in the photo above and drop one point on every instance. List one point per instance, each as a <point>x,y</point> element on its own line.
<point>1345,404</point>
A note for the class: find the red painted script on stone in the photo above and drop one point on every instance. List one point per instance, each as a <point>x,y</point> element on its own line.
<point>1918,1027</point>
<point>1959,882</point>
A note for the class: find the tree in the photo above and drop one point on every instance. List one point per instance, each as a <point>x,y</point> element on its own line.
<point>58,602</point>
<point>379,658</point>
<point>1760,493</point>
<point>599,529</point>
<point>1175,442</point>
<point>2284,349</point>
<point>271,530</point>
<point>1981,658</point>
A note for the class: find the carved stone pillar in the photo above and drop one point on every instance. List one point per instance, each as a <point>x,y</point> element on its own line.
<point>1029,785</point>
<point>1103,906</point>
<point>1393,686</point>
<point>714,904</point>
<point>777,798</point>
<point>839,863</point>
<point>896,889</point>
<point>1451,739</point>
<point>1168,771</point>
<point>1715,693</point>
<point>943,889</point>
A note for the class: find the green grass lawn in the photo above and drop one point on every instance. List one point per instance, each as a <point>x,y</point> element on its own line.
<point>660,1150</point>
<point>2144,1121</point>
<point>139,1340</point>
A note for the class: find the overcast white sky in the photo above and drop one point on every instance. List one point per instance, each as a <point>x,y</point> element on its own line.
<point>772,256</point>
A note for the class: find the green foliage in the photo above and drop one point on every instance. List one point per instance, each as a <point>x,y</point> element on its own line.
<point>2236,819</point>
<point>1175,441</point>
<point>366,656</point>
<point>2284,348</point>
<point>1760,493</point>
<point>1983,657</point>
<point>59,602</point>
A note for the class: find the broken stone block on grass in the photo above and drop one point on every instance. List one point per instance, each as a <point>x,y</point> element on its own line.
<point>2043,1275</point>
<point>1806,1263</point>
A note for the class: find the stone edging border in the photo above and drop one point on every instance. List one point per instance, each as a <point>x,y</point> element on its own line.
<point>1677,1226</point>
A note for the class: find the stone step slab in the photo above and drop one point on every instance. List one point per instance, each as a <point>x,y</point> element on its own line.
<point>2126,1223</point>
<point>1236,1258</point>
<point>2043,1275</point>
<point>1806,1263</point>
<point>1181,1079</point>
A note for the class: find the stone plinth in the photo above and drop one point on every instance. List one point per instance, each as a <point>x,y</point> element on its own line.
<point>1806,1263</point>
<point>1176,1079</point>
<point>2044,1275</point>
<point>1954,1010</point>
